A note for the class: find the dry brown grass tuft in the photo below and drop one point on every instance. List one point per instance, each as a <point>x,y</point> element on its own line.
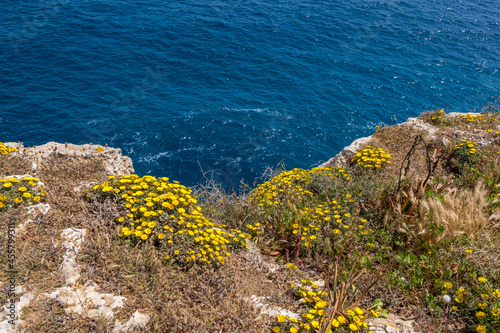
<point>14,165</point>
<point>460,211</point>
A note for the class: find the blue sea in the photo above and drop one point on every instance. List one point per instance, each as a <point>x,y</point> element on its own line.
<point>225,89</point>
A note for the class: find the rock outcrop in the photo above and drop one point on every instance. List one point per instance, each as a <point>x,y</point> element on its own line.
<point>414,123</point>
<point>114,162</point>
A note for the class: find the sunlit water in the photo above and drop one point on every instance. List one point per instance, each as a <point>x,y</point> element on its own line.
<point>185,87</point>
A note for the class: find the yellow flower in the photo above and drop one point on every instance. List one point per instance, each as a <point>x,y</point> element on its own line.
<point>315,323</point>
<point>321,304</point>
<point>7,185</point>
<point>481,329</point>
<point>448,285</point>
<point>353,327</point>
<point>482,305</point>
<point>293,330</point>
<point>341,319</point>
<point>144,237</point>
<point>358,311</point>
<point>281,318</point>
<point>276,329</point>
<point>481,279</point>
<point>495,312</point>
<point>335,323</point>
<point>480,315</point>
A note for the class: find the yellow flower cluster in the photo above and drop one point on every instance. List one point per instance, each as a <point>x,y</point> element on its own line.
<point>438,115</point>
<point>166,212</point>
<point>467,145</point>
<point>316,312</point>
<point>25,190</point>
<point>292,185</point>
<point>371,157</point>
<point>480,118</point>
<point>331,219</point>
<point>255,229</point>
<point>294,209</point>
<point>4,150</point>
<point>481,299</point>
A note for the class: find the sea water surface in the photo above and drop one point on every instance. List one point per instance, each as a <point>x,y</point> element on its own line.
<point>228,88</point>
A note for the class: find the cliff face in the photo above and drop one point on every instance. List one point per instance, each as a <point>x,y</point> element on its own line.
<point>418,125</point>
<point>85,276</point>
<point>113,161</point>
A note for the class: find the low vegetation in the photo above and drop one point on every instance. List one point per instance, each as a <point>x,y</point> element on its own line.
<point>409,226</point>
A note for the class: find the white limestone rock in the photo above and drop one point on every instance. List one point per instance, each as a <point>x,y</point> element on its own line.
<point>269,310</point>
<point>391,324</point>
<point>114,162</point>
<point>86,301</point>
<point>39,209</point>
<point>349,151</point>
<point>253,257</point>
<point>137,321</point>
<point>73,240</point>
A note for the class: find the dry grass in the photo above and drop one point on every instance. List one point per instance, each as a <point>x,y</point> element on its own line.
<point>398,141</point>
<point>459,212</point>
<point>14,164</point>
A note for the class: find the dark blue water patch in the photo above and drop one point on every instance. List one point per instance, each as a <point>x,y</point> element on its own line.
<point>237,86</point>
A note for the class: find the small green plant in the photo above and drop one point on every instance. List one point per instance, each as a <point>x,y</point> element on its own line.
<point>467,153</point>
<point>377,309</point>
